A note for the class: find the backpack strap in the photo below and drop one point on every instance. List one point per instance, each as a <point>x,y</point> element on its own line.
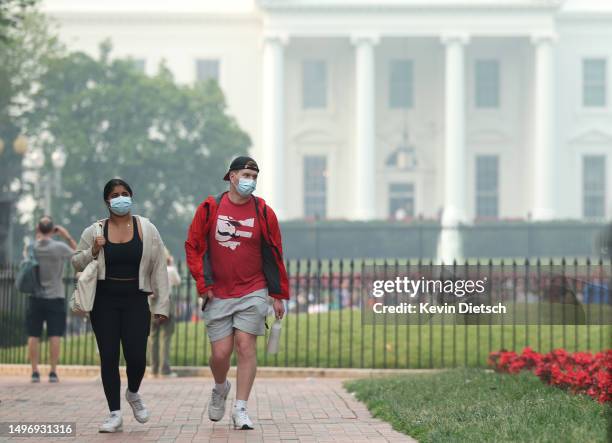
<point>218,198</point>
<point>32,253</point>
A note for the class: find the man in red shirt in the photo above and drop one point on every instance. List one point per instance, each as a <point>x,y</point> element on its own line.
<point>234,252</point>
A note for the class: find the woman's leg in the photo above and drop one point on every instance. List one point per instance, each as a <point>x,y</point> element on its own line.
<point>105,321</point>
<point>135,326</point>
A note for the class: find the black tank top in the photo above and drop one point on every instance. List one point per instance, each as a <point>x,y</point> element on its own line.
<point>123,259</point>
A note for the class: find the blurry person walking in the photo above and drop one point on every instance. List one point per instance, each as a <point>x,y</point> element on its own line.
<point>49,306</point>
<point>234,252</point>
<point>132,283</point>
<point>165,329</point>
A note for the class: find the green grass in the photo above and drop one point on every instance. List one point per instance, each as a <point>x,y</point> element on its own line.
<point>473,405</point>
<point>334,340</point>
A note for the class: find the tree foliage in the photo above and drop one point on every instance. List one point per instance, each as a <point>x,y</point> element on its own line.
<point>171,142</point>
<point>27,42</point>
<point>24,58</point>
<point>12,14</point>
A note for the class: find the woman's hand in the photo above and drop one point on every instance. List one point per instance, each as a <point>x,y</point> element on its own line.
<point>99,243</point>
<point>160,318</point>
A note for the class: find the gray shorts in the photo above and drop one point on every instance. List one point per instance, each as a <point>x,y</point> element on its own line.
<point>246,313</point>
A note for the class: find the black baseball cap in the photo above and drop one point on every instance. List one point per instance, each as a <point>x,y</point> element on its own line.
<point>242,162</point>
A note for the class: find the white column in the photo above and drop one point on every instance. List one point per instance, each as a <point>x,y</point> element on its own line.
<point>271,183</point>
<point>454,130</point>
<point>450,244</point>
<point>543,142</point>
<point>365,127</point>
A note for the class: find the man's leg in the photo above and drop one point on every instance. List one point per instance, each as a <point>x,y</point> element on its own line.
<point>34,326</point>
<point>168,327</point>
<point>154,342</point>
<point>56,328</point>
<point>220,358</point>
<point>33,347</point>
<point>54,350</point>
<point>247,363</point>
<point>219,365</point>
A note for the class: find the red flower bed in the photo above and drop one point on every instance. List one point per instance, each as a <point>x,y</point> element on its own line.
<point>580,372</point>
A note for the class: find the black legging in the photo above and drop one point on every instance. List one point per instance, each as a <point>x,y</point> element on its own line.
<point>121,315</point>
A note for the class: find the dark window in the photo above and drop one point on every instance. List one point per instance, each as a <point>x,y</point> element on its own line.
<point>487,186</point>
<point>314,84</point>
<point>401,200</point>
<point>487,84</point>
<point>594,82</point>
<point>401,84</point>
<point>315,186</point>
<point>207,69</point>
<point>594,186</point>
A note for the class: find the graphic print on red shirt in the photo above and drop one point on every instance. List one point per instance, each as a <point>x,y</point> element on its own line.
<point>229,230</point>
<point>235,250</point>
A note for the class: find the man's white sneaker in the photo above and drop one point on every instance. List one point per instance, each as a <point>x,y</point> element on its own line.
<point>216,406</point>
<point>114,423</point>
<point>141,414</point>
<point>241,419</point>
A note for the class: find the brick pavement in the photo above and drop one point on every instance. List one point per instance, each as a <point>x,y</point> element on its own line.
<point>283,409</point>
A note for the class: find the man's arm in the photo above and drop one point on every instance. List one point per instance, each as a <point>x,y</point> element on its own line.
<point>276,239</point>
<point>195,247</point>
<point>62,232</point>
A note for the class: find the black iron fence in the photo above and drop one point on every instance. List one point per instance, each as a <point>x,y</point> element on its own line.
<point>323,326</point>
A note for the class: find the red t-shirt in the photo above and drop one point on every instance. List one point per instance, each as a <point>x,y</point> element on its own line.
<point>235,250</point>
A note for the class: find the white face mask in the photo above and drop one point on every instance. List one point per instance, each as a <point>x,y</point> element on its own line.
<point>120,205</point>
<point>246,186</point>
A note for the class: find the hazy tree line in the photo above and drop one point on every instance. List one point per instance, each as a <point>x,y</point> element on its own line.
<point>170,141</point>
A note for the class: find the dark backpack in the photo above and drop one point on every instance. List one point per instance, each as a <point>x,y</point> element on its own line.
<point>27,279</point>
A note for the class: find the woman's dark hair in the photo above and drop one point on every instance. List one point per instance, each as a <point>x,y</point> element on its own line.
<point>108,187</point>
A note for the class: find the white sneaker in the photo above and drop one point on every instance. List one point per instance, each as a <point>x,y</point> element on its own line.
<point>241,419</point>
<point>114,423</point>
<point>216,406</point>
<point>141,414</point>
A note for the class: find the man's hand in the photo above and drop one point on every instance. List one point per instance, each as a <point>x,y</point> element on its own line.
<point>279,308</point>
<point>159,319</point>
<point>208,294</point>
<point>61,231</point>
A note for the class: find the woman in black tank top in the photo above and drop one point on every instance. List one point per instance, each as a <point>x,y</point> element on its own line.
<point>121,314</point>
<point>123,259</point>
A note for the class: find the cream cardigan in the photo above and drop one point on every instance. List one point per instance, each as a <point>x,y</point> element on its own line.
<point>152,275</point>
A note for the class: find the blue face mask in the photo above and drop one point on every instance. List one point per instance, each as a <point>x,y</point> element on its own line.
<point>121,205</point>
<point>246,186</point>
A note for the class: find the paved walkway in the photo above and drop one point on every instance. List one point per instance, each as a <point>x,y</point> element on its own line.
<point>295,409</point>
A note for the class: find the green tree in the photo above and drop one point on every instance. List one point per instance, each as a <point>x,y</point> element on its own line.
<point>171,142</point>
<point>12,15</point>
<point>25,49</point>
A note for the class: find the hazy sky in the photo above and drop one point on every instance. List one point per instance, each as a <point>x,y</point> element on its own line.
<point>150,5</point>
<point>230,5</point>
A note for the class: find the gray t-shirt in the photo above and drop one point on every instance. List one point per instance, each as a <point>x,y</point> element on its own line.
<point>52,256</point>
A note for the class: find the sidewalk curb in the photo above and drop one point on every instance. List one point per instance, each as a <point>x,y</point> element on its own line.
<point>25,370</point>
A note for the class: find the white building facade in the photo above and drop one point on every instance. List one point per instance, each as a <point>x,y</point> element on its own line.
<point>459,109</point>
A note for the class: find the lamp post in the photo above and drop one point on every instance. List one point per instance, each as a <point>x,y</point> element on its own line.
<point>58,159</point>
<point>36,162</point>
<point>9,188</point>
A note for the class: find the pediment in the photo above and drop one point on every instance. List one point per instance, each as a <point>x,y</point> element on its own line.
<point>592,137</point>
<point>313,136</point>
<point>488,136</point>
